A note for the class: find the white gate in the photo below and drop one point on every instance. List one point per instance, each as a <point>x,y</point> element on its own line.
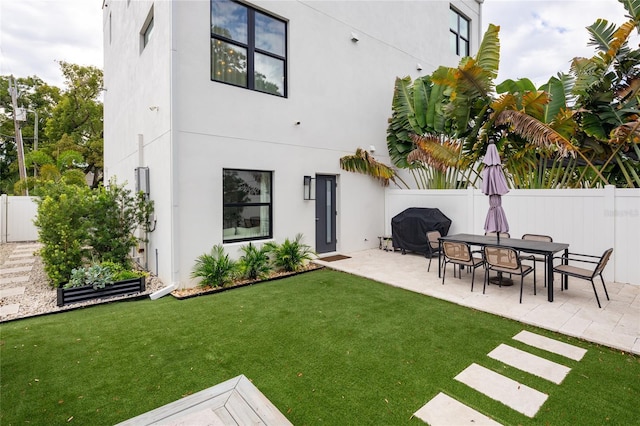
<point>16,219</point>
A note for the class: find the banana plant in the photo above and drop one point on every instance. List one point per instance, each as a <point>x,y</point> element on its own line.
<point>363,162</point>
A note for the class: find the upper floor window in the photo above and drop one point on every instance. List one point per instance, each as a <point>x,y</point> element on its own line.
<point>458,33</point>
<point>248,47</point>
<point>147,30</point>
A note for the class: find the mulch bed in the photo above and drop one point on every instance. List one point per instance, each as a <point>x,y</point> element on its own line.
<point>188,293</point>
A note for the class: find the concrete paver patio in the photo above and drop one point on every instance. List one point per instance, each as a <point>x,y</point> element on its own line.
<point>573,312</point>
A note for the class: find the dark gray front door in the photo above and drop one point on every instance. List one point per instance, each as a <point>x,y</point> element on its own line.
<point>325,213</point>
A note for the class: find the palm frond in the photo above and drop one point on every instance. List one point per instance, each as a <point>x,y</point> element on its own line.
<point>435,151</point>
<point>488,56</point>
<point>363,162</point>
<point>627,133</point>
<point>534,131</point>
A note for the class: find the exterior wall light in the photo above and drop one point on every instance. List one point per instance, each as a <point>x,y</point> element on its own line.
<point>309,192</point>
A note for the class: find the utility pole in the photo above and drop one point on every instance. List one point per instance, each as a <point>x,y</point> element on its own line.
<point>13,91</point>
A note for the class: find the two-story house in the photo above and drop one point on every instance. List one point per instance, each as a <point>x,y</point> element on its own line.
<point>234,114</point>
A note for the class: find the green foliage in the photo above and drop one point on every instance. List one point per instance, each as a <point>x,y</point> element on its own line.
<point>101,275</point>
<point>254,262</point>
<point>116,214</point>
<point>63,229</point>
<point>97,276</point>
<point>290,255</point>
<point>76,224</point>
<point>70,127</point>
<point>215,268</point>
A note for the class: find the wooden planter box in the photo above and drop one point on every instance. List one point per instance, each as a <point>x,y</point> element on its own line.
<point>80,294</point>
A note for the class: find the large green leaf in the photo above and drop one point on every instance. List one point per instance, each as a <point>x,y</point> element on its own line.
<point>557,90</point>
<point>633,7</point>
<point>488,56</point>
<point>601,34</point>
<point>421,92</point>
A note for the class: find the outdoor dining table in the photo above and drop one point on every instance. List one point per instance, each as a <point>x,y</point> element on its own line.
<point>544,248</point>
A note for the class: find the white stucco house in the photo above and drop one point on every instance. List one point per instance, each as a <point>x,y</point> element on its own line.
<point>229,105</point>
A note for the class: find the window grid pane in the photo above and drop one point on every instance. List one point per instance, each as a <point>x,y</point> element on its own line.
<point>229,20</point>
<point>229,63</point>
<point>269,75</point>
<point>246,205</point>
<point>270,34</point>
<point>248,48</point>
<point>458,33</point>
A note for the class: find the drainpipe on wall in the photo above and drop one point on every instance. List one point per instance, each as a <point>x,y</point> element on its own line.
<point>175,247</point>
<point>480,30</point>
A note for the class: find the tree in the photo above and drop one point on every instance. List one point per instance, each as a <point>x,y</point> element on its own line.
<point>76,123</point>
<point>37,98</point>
<point>70,128</point>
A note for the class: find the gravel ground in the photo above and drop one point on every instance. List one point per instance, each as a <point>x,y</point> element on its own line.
<point>39,298</point>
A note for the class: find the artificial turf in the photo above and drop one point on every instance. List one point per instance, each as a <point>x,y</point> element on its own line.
<point>325,347</point>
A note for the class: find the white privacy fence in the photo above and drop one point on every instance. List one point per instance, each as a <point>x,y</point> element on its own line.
<point>16,219</point>
<point>589,220</point>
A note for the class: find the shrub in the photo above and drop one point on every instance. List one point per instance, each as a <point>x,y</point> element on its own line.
<point>254,263</point>
<point>63,229</point>
<point>290,255</point>
<point>77,224</point>
<point>215,269</point>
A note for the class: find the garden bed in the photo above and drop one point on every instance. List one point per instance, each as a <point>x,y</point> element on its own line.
<point>81,294</point>
<point>188,293</point>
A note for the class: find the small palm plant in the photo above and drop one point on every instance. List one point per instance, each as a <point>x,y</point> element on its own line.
<point>254,263</point>
<point>290,255</point>
<point>215,268</point>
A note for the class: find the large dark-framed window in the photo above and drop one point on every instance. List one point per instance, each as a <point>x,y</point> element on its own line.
<point>459,33</point>
<point>247,205</point>
<point>248,48</point>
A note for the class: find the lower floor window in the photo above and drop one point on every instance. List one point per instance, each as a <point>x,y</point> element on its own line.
<point>247,205</point>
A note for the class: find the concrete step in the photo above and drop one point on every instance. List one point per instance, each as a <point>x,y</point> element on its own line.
<point>443,410</point>
<point>530,363</point>
<point>515,395</point>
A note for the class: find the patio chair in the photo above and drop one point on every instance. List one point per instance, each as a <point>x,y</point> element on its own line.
<point>537,237</point>
<point>502,234</point>
<point>507,260</point>
<point>461,255</point>
<point>433,246</point>
<point>585,273</point>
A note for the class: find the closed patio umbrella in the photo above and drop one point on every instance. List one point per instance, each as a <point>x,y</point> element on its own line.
<point>494,184</point>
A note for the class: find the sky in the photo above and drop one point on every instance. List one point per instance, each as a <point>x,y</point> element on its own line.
<point>538,37</point>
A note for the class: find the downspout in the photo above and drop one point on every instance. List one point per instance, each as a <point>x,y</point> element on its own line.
<point>173,246</point>
<point>479,23</point>
<point>175,223</point>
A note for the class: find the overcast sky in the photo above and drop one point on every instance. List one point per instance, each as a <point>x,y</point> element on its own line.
<point>538,37</point>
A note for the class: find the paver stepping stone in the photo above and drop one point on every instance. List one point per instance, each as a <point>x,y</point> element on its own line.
<point>4,270</point>
<point>515,395</point>
<point>9,309</point>
<point>20,261</point>
<point>550,345</point>
<point>530,363</point>
<point>20,255</point>
<point>8,292</point>
<point>11,280</point>
<point>443,410</point>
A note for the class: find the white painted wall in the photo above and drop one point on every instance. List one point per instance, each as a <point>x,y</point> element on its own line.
<point>590,220</point>
<point>339,91</point>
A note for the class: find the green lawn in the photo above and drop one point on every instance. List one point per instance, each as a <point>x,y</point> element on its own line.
<point>324,347</point>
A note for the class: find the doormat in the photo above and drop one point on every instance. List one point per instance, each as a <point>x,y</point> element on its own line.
<point>334,258</point>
